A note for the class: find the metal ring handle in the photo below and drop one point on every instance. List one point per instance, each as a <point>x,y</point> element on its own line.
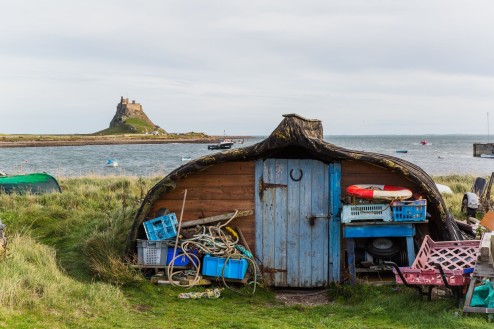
<point>296,179</point>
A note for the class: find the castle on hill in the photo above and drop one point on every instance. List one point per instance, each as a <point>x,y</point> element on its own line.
<point>132,118</point>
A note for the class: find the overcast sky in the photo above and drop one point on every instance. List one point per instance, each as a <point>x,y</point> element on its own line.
<point>362,67</point>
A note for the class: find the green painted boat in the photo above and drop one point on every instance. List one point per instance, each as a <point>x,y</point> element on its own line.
<point>37,183</point>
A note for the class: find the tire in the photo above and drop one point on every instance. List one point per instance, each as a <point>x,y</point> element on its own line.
<point>383,247</point>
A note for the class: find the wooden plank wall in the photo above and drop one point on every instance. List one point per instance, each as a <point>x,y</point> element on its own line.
<point>353,172</point>
<point>219,189</point>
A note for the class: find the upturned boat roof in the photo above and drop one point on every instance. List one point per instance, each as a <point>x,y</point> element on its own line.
<point>296,134</point>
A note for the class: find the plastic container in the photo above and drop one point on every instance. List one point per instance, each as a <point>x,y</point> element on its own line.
<point>234,268</point>
<point>366,212</point>
<point>161,228</point>
<point>152,252</point>
<point>453,256</point>
<point>409,211</point>
<point>179,261</point>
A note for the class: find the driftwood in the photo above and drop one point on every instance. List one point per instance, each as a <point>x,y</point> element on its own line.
<point>218,218</point>
<point>486,248</point>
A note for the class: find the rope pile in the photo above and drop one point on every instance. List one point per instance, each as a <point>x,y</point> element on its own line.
<point>218,241</point>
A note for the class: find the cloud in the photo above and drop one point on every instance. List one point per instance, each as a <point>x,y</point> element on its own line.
<point>360,66</point>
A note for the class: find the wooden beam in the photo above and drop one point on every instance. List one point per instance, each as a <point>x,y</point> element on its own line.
<point>214,219</point>
<point>485,248</point>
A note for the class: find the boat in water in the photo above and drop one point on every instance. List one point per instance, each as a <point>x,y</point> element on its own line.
<point>425,142</point>
<point>221,145</point>
<point>36,183</point>
<point>401,151</point>
<point>111,163</point>
<point>491,156</point>
<point>186,158</point>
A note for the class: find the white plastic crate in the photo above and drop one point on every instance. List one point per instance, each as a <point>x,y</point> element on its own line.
<point>366,212</point>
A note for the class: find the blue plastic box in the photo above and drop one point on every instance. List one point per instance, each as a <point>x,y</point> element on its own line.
<point>234,268</point>
<point>180,261</point>
<point>161,228</point>
<point>409,211</point>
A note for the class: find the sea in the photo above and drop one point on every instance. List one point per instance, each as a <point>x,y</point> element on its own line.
<point>445,155</point>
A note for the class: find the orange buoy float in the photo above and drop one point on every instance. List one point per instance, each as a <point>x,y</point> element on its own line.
<point>371,191</point>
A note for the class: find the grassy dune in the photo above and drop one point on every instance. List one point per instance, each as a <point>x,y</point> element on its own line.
<point>64,268</point>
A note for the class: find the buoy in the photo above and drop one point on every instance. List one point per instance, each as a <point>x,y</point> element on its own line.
<point>371,191</point>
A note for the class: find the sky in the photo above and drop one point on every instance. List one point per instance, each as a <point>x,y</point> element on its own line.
<point>233,66</point>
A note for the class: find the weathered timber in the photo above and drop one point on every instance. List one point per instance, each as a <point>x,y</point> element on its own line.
<point>214,219</point>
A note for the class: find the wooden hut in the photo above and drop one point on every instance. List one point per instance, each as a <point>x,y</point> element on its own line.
<point>294,182</point>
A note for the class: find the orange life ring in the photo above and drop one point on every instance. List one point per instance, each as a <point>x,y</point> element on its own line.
<point>371,191</point>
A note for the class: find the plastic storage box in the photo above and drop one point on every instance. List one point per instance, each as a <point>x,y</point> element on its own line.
<point>152,252</point>
<point>234,268</point>
<point>179,261</point>
<point>409,211</point>
<point>161,228</point>
<point>366,212</point>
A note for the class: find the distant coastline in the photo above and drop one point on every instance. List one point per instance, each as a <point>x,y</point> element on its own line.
<point>8,141</point>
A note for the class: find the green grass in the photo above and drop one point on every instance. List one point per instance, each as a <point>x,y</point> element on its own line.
<point>64,269</point>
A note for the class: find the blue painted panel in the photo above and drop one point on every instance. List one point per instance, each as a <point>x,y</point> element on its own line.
<point>293,229</point>
<point>292,246</point>
<point>280,220</point>
<point>335,222</point>
<point>375,231</point>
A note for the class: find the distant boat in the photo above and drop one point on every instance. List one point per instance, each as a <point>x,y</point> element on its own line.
<point>186,158</point>
<point>111,163</point>
<point>222,145</point>
<point>425,142</point>
<point>401,151</point>
<point>487,155</point>
<point>36,183</point>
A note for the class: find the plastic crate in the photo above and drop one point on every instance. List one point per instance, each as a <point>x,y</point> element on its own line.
<point>409,211</point>
<point>179,261</point>
<point>234,268</point>
<point>161,228</point>
<point>454,257</point>
<point>152,252</point>
<point>366,212</point>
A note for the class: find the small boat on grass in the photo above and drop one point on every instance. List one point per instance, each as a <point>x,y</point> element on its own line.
<point>111,163</point>
<point>36,183</point>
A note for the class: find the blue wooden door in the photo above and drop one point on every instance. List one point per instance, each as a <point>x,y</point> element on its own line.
<point>292,222</point>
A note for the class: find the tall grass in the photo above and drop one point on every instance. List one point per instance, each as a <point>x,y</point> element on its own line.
<point>65,268</point>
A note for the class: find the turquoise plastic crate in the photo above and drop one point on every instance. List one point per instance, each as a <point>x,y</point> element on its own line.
<point>234,268</point>
<point>161,228</point>
<point>409,211</point>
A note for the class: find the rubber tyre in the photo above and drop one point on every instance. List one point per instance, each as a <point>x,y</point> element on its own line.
<point>376,247</point>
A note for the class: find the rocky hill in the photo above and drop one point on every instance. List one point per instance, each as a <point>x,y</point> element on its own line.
<point>131,119</point>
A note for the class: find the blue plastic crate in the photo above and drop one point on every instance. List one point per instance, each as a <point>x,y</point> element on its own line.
<point>234,268</point>
<point>180,261</point>
<point>409,211</point>
<point>161,228</point>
